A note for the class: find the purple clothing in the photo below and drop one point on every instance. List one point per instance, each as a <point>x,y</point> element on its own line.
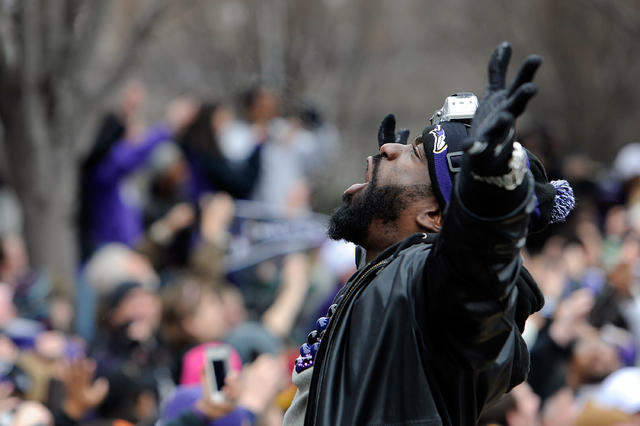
<point>184,400</point>
<point>113,219</point>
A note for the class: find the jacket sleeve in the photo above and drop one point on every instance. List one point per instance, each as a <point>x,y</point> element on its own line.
<point>125,157</point>
<point>469,294</point>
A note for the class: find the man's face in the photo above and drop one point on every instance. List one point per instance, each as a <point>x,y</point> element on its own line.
<point>394,179</point>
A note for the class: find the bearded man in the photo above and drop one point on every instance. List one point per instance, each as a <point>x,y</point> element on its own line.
<point>428,329</point>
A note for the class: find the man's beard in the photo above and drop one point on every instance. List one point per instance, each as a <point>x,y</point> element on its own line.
<point>351,221</point>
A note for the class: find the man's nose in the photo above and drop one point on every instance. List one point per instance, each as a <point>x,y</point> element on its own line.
<point>391,150</point>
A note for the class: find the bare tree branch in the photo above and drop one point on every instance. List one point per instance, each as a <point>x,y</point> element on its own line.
<point>8,42</point>
<point>31,73</point>
<point>139,35</point>
<point>87,32</point>
<point>271,23</point>
<point>622,13</point>
<point>31,45</point>
<point>54,34</point>
<point>70,14</point>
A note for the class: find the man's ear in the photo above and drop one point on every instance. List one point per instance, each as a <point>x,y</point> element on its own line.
<point>430,219</point>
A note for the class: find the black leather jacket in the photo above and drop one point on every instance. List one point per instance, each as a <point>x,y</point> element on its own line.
<point>429,332</point>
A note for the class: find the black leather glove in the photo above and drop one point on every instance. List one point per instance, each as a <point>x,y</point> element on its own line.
<point>490,141</point>
<point>387,132</point>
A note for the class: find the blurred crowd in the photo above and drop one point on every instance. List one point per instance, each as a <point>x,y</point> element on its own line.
<point>194,233</point>
<point>584,344</point>
<point>165,211</point>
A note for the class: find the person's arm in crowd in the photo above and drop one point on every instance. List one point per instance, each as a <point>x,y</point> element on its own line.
<point>133,149</point>
<point>552,350</point>
<point>262,380</point>
<point>127,155</point>
<point>470,276</point>
<point>82,392</point>
<point>207,258</point>
<point>161,233</point>
<point>248,395</point>
<point>281,315</point>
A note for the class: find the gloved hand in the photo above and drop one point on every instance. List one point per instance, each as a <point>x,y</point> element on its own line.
<point>490,142</point>
<point>387,132</point>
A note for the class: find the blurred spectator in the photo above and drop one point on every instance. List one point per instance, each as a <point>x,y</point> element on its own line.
<point>194,360</point>
<point>169,181</point>
<point>211,170</point>
<point>248,397</point>
<point>259,106</point>
<point>129,354</point>
<point>295,149</point>
<point>590,278</point>
<point>113,128</point>
<point>519,407</point>
<point>621,390</point>
<point>116,263</point>
<point>120,149</point>
<point>185,239</point>
<point>192,313</point>
<point>32,291</point>
<point>168,242</point>
<point>126,347</point>
<point>627,168</point>
<point>82,393</point>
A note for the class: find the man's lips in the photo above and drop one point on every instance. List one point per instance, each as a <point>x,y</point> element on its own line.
<point>356,187</point>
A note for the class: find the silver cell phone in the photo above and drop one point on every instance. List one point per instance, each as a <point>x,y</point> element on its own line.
<point>216,369</point>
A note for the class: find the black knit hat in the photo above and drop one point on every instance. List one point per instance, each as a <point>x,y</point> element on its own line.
<point>443,145</point>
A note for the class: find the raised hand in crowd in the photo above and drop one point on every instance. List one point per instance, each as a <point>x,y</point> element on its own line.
<point>251,393</point>
<point>83,393</point>
<point>571,317</point>
<point>623,275</point>
<point>280,316</point>
<point>261,382</point>
<point>180,113</point>
<point>217,214</point>
<point>180,216</point>
<point>131,103</point>
<point>216,409</point>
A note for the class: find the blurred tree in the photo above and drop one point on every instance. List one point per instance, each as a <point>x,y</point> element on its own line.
<point>50,98</point>
<point>591,48</point>
<point>356,59</point>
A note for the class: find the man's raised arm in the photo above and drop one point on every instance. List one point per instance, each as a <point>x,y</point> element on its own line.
<point>472,271</point>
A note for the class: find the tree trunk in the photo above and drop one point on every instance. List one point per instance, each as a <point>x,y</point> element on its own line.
<point>49,235</point>
<point>43,174</point>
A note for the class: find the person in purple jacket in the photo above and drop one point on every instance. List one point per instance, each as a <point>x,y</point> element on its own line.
<point>113,219</point>
<point>118,152</point>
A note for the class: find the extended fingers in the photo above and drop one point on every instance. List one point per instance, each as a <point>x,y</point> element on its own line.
<point>503,121</point>
<point>526,72</point>
<point>498,66</point>
<point>387,130</point>
<point>402,136</point>
<point>518,101</point>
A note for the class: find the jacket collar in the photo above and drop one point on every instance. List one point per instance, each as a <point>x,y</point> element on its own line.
<point>393,250</point>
